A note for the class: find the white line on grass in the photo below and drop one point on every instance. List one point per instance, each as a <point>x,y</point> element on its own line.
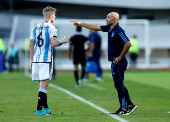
<point>87,102</point>
<point>93,86</point>
<point>168,111</point>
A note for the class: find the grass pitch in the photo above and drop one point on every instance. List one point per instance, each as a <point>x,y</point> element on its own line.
<point>149,90</point>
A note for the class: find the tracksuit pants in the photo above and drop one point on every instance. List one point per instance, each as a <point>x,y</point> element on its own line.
<point>118,77</point>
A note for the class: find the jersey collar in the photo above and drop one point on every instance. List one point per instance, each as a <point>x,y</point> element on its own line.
<point>115,28</point>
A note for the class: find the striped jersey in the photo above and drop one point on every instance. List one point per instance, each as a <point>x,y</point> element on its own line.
<point>42,33</point>
<point>116,40</point>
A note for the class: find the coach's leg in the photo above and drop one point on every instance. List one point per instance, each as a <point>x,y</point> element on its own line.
<point>122,69</point>
<point>118,82</point>
<point>127,98</point>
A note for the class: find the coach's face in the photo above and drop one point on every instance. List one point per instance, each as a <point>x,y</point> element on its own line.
<point>109,19</point>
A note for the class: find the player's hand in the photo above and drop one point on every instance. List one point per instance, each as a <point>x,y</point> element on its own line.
<point>116,60</point>
<point>76,23</point>
<point>66,39</point>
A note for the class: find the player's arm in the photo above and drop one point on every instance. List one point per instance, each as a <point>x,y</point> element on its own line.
<point>92,45</point>
<point>53,37</point>
<point>31,48</point>
<point>86,25</point>
<point>88,43</point>
<point>55,42</point>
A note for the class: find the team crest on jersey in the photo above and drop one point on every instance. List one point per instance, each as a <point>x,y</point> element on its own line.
<point>112,34</point>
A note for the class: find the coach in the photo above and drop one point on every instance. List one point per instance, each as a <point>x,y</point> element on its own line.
<point>118,46</point>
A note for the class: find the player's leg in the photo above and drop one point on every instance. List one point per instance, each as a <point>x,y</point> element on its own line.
<point>43,90</point>
<point>135,60</point>
<point>83,71</point>
<point>76,75</point>
<point>99,71</point>
<point>45,76</point>
<point>35,77</point>
<point>42,98</point>
<point>83,65</point>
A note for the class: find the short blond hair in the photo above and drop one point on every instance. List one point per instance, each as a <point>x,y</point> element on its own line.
<point>48,10</point>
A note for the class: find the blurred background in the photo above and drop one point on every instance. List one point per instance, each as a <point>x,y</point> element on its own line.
<point>148,20</point>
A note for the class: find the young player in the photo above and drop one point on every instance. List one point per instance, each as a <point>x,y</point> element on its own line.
<point>43,37</point>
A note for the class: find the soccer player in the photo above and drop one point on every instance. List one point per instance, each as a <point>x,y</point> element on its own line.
<point>43,37</point>
<point>95,53</point>
<point>118,46</point>
<point>79,57</point>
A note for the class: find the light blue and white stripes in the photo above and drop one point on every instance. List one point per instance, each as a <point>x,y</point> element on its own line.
<point>46,44</point>
<point>42,33</point>
<point>123,37</point>
<point>42,90</point>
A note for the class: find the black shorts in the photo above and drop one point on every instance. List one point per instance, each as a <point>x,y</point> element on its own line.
<point>79,59</point>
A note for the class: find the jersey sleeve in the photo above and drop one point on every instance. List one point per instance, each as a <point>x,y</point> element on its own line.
<point>53,31</point>
<point>122,36</point>
<point>71,40</point>
<point>104,28</point>
<point>92,38</point>
<point>32,35</point>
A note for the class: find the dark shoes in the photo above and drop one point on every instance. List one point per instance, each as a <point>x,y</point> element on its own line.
<point>120,112</point>
<point>131,109</point>
<point>127,112</point>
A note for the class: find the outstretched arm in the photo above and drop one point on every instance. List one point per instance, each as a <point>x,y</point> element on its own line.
<point>86,25</point>
<point>55,42</point>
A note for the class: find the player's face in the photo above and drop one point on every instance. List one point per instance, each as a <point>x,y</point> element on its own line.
<point>109,19</point>
<point>52,17</point>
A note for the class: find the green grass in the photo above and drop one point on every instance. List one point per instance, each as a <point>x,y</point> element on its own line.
<point>149,90</point>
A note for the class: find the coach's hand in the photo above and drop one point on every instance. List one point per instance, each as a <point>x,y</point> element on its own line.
<point>116,60</point>
<point>76,23</point>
